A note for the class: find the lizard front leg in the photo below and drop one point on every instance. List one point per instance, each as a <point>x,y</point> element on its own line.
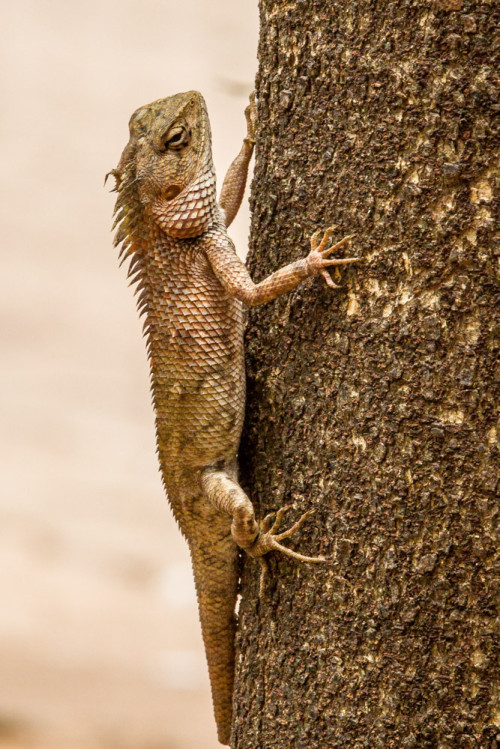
<point>235,278</point>
<point>235,180</point>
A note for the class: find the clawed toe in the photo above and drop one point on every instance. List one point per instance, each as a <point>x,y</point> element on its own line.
<point>279,517</point>
<point>314,239</point>
<point>294,554</point>
<point>326,236</point>
<point>300,522</point>
<point>318,259</point>
<point>337,245</point>
<point>267,526</point>
<point>329,280</point>
<point>264,572</point>
<point>269,539</point>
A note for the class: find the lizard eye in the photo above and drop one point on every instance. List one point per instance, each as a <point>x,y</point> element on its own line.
<point>176,138</point>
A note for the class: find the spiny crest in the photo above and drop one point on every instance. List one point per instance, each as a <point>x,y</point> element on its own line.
<point>129,224</point>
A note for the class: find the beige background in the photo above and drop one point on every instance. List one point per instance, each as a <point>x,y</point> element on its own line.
<point>99,639</point>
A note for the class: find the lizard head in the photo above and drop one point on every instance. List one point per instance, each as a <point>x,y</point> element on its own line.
<point>167,164</point>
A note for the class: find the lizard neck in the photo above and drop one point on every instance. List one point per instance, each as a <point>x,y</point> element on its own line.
<point>152,233</point>
<point>194,210</point>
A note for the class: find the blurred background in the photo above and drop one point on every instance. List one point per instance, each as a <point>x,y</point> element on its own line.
<point>100,646</point>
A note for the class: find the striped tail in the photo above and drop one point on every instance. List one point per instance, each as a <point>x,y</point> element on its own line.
<point>215,568</point>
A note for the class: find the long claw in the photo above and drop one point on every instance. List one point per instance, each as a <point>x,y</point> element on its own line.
<point>314,239</point>
<point>295,527</point>
<point>339,244</point>
<point>264,572</point>
<point>343,261</point>
<point>326,236</point>
<point>267,522</point>
<point>279,518</point>
<point>295,554</point>
<point>329,281</point>
<point>267,526</point>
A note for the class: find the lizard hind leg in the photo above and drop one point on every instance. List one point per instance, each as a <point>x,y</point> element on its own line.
<point>223,492</point>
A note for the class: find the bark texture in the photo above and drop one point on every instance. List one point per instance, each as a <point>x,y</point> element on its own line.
<point>374,404</point>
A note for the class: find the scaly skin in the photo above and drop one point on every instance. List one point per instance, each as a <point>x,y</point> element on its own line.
<point>192,291</point>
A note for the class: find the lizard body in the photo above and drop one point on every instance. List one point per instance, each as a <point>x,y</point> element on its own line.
<point>193,290</point>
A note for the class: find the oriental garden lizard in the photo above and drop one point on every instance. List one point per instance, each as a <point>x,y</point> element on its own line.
<point>192,290</point>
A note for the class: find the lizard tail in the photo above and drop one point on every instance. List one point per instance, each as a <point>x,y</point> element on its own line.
<point>216,577</point>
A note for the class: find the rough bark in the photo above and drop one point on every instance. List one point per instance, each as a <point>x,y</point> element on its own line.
<point>375,404</point>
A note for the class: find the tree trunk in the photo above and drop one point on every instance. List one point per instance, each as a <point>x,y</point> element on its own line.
<point>373,404</point>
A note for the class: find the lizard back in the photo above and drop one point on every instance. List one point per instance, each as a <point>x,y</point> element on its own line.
<point>195,342</point>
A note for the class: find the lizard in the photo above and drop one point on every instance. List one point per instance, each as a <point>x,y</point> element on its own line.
<point>193,291</point>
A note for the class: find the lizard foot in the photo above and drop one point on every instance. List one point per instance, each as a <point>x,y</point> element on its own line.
<point>269,540</point>
<point>318,260</point>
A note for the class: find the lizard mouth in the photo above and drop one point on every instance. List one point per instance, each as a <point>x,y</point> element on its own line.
<point>172,192</point>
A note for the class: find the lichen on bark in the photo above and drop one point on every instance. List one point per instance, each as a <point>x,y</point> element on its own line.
<point>375,404</point>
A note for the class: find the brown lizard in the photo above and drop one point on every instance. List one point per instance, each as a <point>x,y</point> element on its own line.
<point>192,290</point>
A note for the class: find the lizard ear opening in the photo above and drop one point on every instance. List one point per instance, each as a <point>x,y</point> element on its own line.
<point>172,192</point>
